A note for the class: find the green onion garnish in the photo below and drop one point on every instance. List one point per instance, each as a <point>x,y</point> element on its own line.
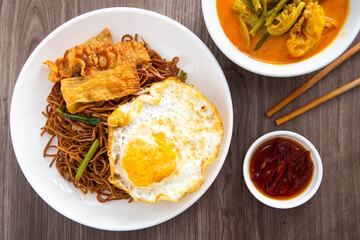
<point>91,120</point>
<point>87,159</point>
<point>182,75</point>
<point>107,131</point>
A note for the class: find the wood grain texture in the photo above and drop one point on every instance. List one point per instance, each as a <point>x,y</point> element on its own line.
<point>227,210</point>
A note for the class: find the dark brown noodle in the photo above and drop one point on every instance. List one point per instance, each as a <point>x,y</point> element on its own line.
<point>74,138</point>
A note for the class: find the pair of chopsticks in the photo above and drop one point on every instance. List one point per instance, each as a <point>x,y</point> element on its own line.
<point>310,83</point>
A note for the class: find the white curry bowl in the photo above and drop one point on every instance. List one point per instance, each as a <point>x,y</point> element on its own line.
<point>343,40</point>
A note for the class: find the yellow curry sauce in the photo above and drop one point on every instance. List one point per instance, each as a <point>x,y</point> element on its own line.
<point>274,49</point>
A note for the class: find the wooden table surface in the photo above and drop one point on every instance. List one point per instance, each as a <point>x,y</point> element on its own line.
<point>227,210</point>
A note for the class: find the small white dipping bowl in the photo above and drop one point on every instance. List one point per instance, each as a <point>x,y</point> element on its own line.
<point>310,190</point>
<point>346,36</point>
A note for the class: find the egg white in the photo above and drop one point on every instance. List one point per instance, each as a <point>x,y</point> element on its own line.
<point>188,120</point>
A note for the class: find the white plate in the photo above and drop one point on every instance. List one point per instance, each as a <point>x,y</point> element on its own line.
<point>346,36</point>
<point>164,35</point>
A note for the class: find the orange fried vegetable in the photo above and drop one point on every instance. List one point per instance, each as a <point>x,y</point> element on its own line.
<point>87,59</point>
<point>306,33</point>
<point>92,90</point>
<point>102,38</point>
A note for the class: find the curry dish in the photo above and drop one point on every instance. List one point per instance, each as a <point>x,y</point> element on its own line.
<point>282,31</point>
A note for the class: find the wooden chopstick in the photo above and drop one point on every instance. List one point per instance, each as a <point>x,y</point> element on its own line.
<point>314,80</point>
<point>318,101</point>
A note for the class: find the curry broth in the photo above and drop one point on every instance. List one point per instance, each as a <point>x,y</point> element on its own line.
<point>274,48</point>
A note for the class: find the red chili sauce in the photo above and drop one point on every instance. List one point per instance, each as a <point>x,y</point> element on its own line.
<point>281,168</point>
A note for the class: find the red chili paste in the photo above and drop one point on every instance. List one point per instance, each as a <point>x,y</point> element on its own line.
<point>281,168</point>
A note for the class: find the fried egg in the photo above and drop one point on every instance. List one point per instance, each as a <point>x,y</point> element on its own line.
<point>161,142</point>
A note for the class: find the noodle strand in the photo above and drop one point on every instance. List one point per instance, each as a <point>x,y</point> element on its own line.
<point>74,138</point>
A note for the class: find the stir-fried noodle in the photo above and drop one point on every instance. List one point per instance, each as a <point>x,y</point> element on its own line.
<point>74,138</point>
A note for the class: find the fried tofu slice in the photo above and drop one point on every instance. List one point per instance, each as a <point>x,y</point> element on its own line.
<point>83,92</point>
<point>102,38</point>
<point>87,59</point>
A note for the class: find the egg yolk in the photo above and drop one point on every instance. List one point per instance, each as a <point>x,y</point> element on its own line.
<point>146,163</point>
